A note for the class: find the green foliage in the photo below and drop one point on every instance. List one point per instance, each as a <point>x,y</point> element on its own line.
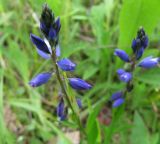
<point>90,32</point>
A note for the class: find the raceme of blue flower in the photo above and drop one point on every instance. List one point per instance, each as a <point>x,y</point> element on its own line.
<point>139,44</point>
<point>48,48</point>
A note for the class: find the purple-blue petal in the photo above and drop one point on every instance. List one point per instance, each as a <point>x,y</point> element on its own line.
<point>58,24</point>
<point>40,79</point>
<point>116,95</point>
<point>39,43</point>
<point>79,103</point>
<point>66,65</point>
<point>58,50</point>
<point>52,33</point>
<point>60,109</point>
<point>43,54</point>
<point>139,53</point>
<point>149,62</point>
<point>118,102</point>
<point>125,77</point>
<point>79,84</point>
<point>120,71</point>
<point>122,55</point>
<point>44,28</point>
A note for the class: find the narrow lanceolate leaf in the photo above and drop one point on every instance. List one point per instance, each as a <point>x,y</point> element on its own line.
<point>79,84</point>
<point>39,43</point>
<point>40,79</point>
<point>66,65</point>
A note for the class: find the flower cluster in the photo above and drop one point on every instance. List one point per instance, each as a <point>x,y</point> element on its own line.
<point>48,48</point>
<point>139,44</point>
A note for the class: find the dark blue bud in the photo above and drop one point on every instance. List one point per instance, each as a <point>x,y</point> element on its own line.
<point>39,43</point>
<point>44,29</point>
<point>60,108</point>
<point>57,24</point>
<point>116,95</point>
<point>58,50</point>
<point>52,34</point>
<point>118,102</point>
<point>144,41</point>
<point>79,84</point>
<point>125,76</point>
<point>66,65</point>
<point>79,103</point>
<point>139,53</point>
<point>40,79</point>
<point>122,55</point>
<point>149,62</point>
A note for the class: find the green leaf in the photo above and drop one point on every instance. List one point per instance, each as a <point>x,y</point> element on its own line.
<point>135,14</point>
<point>139,134</point>
<point>150,76</point>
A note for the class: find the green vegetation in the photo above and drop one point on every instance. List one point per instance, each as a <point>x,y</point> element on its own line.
<point>91,30</point>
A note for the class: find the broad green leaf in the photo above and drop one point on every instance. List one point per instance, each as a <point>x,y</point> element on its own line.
<point>139,134</point>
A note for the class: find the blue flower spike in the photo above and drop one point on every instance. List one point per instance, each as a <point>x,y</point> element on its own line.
<point>40,79</point>
<point>118,102</point>
<point>122,55</point>
<point>124,76</point>
<point>149,62</point>
<point>79,84</point>
<point>66,65</point>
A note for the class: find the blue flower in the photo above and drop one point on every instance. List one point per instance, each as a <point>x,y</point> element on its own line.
<point>43,28</point>
<point>79,103</point>
<point>139,53</point>
<point>79,84</point>
<point>40,79</point>
<point>66,65</point>
<point>122,55</point>
<point>43,47</point>
<point>116,95</point>
<point>58,50</point>
<point>57,24</point>
<point>52,34</point>
<point>118,102</point>
<point>124,76</point>
<point>61,110</point>
<point>120,71</point>
<point>149,62</point>
<point>39,43</point>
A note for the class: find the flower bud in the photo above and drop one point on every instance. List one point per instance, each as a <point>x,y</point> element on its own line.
<point>149,62</point>
<point>116,95</point>
<point>79,84</point>
<point>122,55</point>
<point>79,103</point>
<point>40,79</point>
<point>66,65</point>
<point>125,76</point>
<point>118,102</point>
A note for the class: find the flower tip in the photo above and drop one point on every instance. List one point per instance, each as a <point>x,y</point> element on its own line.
<point>118,102</point>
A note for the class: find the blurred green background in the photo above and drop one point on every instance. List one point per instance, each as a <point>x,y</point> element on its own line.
<point>91,30</point>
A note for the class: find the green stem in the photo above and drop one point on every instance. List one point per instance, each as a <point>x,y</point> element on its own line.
<point>65,93</point>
